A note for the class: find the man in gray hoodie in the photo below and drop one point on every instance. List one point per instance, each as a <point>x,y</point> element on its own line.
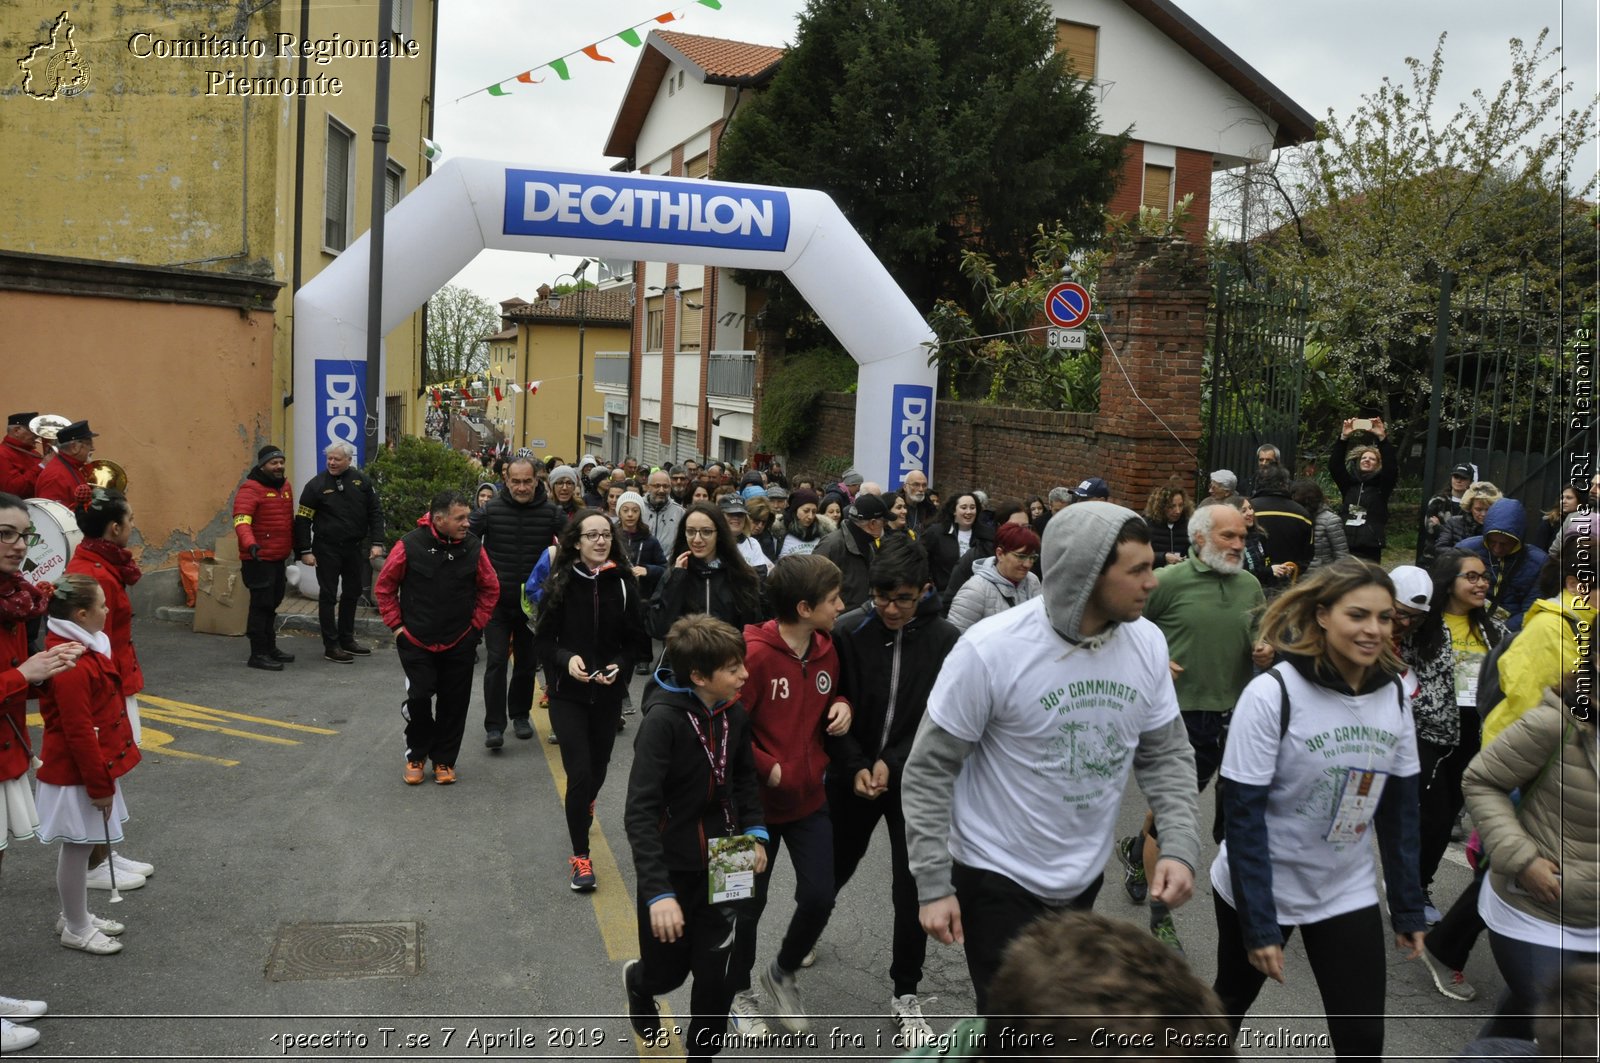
<point>1013,784</point>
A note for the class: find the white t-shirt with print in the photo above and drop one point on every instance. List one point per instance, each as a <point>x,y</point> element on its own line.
<point>1056,728</point>
<point>1329,733</point>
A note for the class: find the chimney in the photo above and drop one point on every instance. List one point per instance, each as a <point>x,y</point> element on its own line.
<point>544,292</point>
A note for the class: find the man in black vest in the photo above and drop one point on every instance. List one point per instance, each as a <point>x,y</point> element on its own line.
<point>436,593</point>
<point>515,527</point>
<point>337,527</point>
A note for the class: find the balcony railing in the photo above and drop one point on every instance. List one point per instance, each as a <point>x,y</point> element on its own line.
<point>731,375</point>
<point>611,370</point>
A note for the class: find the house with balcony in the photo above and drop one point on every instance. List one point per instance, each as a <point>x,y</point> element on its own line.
<point>1193,105</point>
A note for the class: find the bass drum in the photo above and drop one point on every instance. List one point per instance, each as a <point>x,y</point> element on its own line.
<point>59,535</point>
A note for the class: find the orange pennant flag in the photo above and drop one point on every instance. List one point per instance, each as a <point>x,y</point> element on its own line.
<point>593,52</point>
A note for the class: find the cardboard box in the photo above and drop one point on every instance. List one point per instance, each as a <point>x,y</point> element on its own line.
<point>222,602</point>
<point>227,548</point>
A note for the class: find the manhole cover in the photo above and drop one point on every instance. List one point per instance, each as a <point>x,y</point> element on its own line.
<point>345,950</point>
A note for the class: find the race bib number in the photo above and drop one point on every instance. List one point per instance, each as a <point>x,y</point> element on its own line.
<point>1355,804</point>
<point>731,867</point>
<point>1467,667</point>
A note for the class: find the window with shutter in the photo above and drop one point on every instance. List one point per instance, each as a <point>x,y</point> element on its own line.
<point>655,323</point>
<point>1081,45</point>
<point>1158,188</point>
<point>650,442</point>
<point>339,192</point>
<point>394,185</point>
<point>689,320</point>
<point>684,445</point>
<point>699,166</point>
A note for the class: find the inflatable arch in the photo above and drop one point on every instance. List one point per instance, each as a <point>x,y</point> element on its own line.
<point>469,205</point>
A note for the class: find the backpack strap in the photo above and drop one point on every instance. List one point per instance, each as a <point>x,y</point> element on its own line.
<point>1283,702</point>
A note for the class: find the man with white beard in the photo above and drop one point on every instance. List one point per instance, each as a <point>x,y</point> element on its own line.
<point>1207,607</point>
<point>920,510</point>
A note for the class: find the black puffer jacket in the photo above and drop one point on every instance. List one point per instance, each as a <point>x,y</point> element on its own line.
<point>699,588</point>
<point>944,551</point>
<point>515,534</point>
<point>871,660</point>
<point>673,803</point>
<point>1168,538</point>
<point>1365,508</point>
<point>598,616</point>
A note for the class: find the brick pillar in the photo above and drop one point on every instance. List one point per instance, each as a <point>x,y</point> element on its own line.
<point>1157,292</point>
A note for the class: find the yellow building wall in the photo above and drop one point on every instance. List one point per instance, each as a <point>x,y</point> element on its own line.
<point>549,353</point>
<point>120,148</point>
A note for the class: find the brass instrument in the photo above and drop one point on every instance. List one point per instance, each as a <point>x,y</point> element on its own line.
<point>105,473</point>
<point>46,425</point>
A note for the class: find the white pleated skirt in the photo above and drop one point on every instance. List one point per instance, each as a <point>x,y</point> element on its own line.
<point>65,815</point>
<point>19,816</point>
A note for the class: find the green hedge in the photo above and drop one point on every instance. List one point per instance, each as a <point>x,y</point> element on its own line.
<point>409,476</point>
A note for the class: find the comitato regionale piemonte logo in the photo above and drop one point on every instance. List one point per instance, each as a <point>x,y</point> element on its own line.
<point>55,68</point>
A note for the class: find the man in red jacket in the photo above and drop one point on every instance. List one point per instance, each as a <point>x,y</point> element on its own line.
<point>19,457</point>
<point>263,520</point>
<point>63,478</point>
<point>437,592</point>
<point>791,695</point>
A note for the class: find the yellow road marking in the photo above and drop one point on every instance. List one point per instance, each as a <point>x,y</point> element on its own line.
<point>154,741</point>
<point>186,719</point>
<point>614,911</point>
<point>208,713</point>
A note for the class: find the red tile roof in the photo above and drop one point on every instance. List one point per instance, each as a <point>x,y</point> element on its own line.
<point>721,61</point>
<point>609,306</point>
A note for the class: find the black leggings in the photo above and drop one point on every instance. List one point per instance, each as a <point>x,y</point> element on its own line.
<point>1347,960</point>
<point>586,734</point>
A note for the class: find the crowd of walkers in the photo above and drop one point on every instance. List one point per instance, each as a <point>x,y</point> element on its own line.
<point>981,675</point>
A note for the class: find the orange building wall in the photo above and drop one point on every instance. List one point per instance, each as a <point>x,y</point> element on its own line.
<point>179,394</point>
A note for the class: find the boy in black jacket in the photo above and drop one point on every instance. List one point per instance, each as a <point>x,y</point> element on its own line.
<point>693,779</point>
<point>890,653</point>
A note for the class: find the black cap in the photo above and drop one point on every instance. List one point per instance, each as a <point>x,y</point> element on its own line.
<point>868,507</point>
<point>1464,471</point>
<point>732,503</point>
<point>21,419</point>
<point>75,432</point>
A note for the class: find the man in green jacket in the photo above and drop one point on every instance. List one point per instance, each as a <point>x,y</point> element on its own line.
<point>1207,607</point>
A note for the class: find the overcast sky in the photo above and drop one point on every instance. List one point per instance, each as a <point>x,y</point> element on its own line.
<point>1324,55</point>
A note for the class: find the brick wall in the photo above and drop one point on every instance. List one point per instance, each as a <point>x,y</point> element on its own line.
<point>1157,293</point>
<point>1130,181</point>
<point>1193,174</point>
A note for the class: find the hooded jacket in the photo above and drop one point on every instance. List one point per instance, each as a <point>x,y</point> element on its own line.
<point>988,593</point>
<point>887,676</point>
<point>698,588</point>
<point>787,698</point>
<point>1513,579</point>
<point>1545,648</point>
<point>674,804</point>
<point>970,792</point>
<point>1558,817</point>
<point>599,617</point>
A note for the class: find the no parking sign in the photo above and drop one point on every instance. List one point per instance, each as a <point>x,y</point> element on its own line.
<point>1067,305</point>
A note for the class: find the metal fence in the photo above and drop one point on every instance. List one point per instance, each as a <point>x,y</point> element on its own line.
<point>1254,373</point>
<point>611,370</point>
<point>731,374</point>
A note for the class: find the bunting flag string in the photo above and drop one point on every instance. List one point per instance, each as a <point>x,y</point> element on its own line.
<point>629,36</point>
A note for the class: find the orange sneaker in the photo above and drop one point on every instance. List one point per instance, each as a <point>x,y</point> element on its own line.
<point>413,772</point>
<point>444,774</point>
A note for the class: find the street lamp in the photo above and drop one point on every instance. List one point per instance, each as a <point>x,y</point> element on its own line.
<point>576,276</point>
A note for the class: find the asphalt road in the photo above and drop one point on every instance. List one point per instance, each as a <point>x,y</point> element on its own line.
<point>273,802</point>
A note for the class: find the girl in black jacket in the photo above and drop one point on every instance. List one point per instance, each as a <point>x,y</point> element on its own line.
<point>707,575</point>
<point>589,635</point>
<point>1167,514</point>
<point>1366,483</point>
<point>957,532</point>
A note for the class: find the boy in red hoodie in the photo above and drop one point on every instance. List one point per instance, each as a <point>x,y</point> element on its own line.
<point>792,701</point>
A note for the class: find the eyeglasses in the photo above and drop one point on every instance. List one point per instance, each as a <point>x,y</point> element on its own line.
<point>1027,559</point>
<point>1475,577</point>
<point>699,533</point>
<point>596,537</point>
<point>30,538</point>
<point>899,601</point>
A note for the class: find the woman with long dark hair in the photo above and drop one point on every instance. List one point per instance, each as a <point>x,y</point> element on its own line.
<point>957,531</point>
<point>589,636</point>
<point>1321,749</point>
<point>706,574</point>
<point>801,527</point>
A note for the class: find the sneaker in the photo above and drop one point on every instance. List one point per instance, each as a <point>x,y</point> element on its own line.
<point>1133,880</point>
<point>414,772</point>
<point>522,728</point>
<point>810,959</point>
<point>444,774</point>
<point>544,699</point>
<point>265,663</point>
<point>912,1030</point>
<point>129,866</point>
<point>336,654</point>
<point>93,942</point>
<point>357,648</point>
<point>14,1038</point>
<point>1430,914</point>
<point>494,740</point>
<point>781,989</point>
<point>643,1011</point>
<point>100,878</point>
<point>1451,983</point>
<point>109,927</point>
<point>22,1010</point>
<point>281,655</point>
<point>1167,933</point>
<point>582,873</point>
<point>553,740</point>
<point>745,1020</point>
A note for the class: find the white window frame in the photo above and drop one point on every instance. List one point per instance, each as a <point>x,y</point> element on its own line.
<point>338,128</point>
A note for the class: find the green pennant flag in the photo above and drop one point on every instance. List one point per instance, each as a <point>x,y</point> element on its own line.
<point>630,37</point>
<point>715,5</point>
<point>496,90</point>
<point>560,67</point>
